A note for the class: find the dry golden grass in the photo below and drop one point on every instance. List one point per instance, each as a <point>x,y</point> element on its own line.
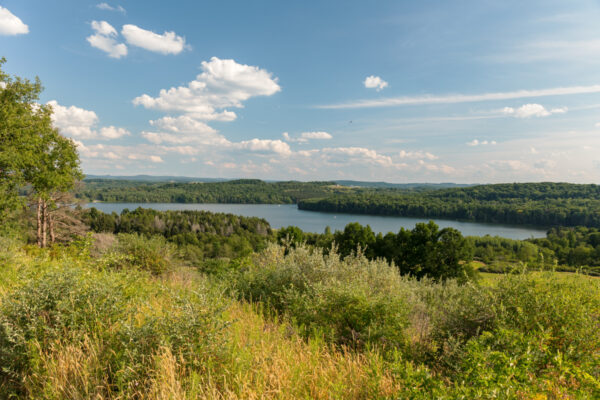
<point>262,360</point>
<point>272,361</point>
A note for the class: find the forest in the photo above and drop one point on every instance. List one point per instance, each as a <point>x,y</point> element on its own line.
<point>241,191</point>
<point>543,204</point>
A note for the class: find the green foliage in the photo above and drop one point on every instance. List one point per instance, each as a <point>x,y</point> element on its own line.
<point>543,204</point>
<point>244,191</point>
<point>354,301</point>
<point>153,254</point>
<point>198,234</point>
<point>20,121</point>
<point>53,307</point>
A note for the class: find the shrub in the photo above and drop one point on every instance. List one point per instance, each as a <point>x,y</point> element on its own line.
<point>352,301</point>
<point>153,254</point>
<point>121,320</point>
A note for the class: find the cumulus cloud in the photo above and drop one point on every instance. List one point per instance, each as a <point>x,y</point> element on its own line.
<point>167,43</point>
<point>112,132</point>
<point>264,146</point>
<point>184,130</point>
<point>315,135</point>
<point>476,142</point>
<point>306,136</point>
<point>104,39</point>
<point>375,82</point>
<point>359,153</point>
<point>417,155</point>
<point>10,24</point>
<point>183,124</point>
<point>108,7</point>
<point>532,110</point>
<point>79,123</point>
<point>222,84</point>
<point>74,121</point>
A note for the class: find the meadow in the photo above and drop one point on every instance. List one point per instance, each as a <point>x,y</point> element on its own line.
<point>114,317</point>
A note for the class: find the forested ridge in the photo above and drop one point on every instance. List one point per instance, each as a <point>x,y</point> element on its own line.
<point>241,191</point>
<point>544,204</point>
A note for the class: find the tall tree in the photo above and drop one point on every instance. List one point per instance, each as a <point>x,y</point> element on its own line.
<point>32,152</point>
<point>53,171</point>
<point>20,119</point>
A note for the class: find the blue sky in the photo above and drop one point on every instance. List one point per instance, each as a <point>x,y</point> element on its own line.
<point>402,91</point>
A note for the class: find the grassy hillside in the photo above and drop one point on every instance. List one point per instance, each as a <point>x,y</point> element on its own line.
<point>94,321</point>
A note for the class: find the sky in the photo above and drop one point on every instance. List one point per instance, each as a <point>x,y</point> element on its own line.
<point>399,91</point>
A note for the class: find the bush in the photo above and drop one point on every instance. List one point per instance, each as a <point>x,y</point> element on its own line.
<point>113,325</point>
<point>352,301</point>
<point>153,254</point>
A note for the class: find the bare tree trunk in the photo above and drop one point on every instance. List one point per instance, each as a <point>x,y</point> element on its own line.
<point>51,226</point>
<point>44,223</point>
<point>39,222</point>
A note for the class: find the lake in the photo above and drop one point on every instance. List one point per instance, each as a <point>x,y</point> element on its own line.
<point>311,221</point>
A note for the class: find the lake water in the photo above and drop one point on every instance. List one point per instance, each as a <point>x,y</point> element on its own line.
<point>311,221</point>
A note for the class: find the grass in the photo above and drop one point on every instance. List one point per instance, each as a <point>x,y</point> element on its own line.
<point>288,326</point>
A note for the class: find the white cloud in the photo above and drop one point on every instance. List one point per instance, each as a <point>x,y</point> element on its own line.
<point>79,123</point>
<point>417,155</point>
<point>183,124</point>
<point>465,98</point>
<point>315,135</point>
<point>527,111</point>
<point>375,82</point>
<point>597,124</point>
<point>2,85</point>
<point>264,146</point>
<point>476,142</point>
<point>560,110</point>
<point>223,83</point>
<point>108,7</point>
<point>74,121</point>
<point>306,136</point>
<point>145,157</point>
<point>112,132</point>
<point>167,43</point>
<point>184,130</point>
<point>532,110</point>
<point>361,153</point>
<point>105,39</point>
<point>10,24</point>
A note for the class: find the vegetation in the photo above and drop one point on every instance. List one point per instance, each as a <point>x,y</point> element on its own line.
<point>295,325</point>
<point>198,234</point>
<point>244,191</point>
<point>33,153</point>
<point>543,204</point>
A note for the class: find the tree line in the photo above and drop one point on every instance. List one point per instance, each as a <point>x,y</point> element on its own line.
<point>542,204</point>
<point>241,191</point>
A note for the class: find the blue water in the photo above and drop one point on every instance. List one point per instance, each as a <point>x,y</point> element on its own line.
<point>311,221</point>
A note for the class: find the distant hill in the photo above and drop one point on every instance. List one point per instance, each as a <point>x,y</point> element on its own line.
<point>151,178</point>
<point>350,183</point>
<point>445,185</point>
